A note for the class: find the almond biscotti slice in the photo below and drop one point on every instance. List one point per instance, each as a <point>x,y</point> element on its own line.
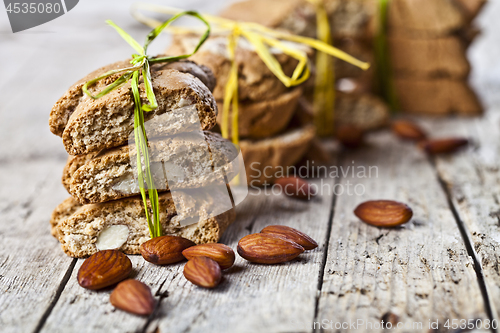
<point>443,57</point>
<point>87,125</point>
<point>256,82</point>
<point>188,160</point>
<point>365,111</point>
<point>268,159</point>
<point>348,18</point>
<point>83,230</point>
<point>449,96</point>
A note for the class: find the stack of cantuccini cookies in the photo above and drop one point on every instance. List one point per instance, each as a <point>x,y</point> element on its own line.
<point>105,210</point>
<point>266,106</point>
<point>428,40</point>
<point>352,29</point>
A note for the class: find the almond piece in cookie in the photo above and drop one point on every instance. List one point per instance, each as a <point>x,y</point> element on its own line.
<point>79,227</point>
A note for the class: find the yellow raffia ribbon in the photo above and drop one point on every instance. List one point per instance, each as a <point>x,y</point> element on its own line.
<point>261,38</point>
<point>324,85</point>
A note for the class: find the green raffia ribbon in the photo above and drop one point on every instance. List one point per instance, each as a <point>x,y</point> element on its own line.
<point>141,65</point>
<point>384,72</point>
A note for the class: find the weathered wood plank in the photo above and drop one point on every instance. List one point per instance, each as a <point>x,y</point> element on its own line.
<point>473,180</point>
<point>418,271</point>
<point>251,297</point>
<point>32,266</point>
<point>257,298</point>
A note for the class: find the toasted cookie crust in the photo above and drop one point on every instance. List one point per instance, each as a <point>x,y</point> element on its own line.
<point>88,125</point>
<point>256,82</point>
<point>264,158</point>
<point>105,176</point>
<point>265,118</point>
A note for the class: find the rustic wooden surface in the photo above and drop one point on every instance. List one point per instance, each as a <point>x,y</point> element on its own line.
<point>442,265</point>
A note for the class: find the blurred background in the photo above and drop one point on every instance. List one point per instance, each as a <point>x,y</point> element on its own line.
<point>39,64</point>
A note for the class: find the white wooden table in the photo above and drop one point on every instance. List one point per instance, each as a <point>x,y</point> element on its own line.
<point>442,265</point>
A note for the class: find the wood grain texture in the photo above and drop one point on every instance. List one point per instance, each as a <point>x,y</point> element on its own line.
<point>473,180</point>
<point>272,294</point>
<point>418,271</point>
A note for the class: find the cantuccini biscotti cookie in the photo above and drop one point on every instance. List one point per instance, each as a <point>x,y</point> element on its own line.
<point>365,111</point>
<point>188,160</point>
<point>264,159</point>
<point>88,125</point>
<point>265,118</point>
<point>256,82</point>
<point>73,163</point>
<point>425,18</point>
<point>83,230</point>
<point>348,18</point>
<point>440,96</point>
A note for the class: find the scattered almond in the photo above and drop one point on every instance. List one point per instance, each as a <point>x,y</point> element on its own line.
<point>268,248</point>
<point>222,254</point>
<point>350,136</point>
<point>133,296</point>
<point>203,272</point>
<point>383,213</point>
<point>291,234</point>
<point>408,130</point>
<point>103,269</point>
<point>443,146</point>
<point>165,249</point>
<point>296,187</point>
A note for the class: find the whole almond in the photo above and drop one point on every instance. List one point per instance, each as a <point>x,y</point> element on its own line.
<point>133,296</point>
<point>296,187</point>
<point>222,254</point>
<point>103,269</point>
<point>443,146</point>
<point>383,213</point>
<point>350,136</point>
<point>268,248</point>
<point>165,250</point>
<point>203,272</point>
<point>408,130</point>
<point>291,234</point>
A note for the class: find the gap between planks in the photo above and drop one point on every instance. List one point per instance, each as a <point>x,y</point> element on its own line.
<point>464,231</point>
<point>59,291</point>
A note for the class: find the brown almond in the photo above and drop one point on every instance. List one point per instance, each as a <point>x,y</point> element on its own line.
<point>165,250</point>
<point>296,187</point>
<point>103,269</point>
<point>291,234</point>
<point>443,146</point>
<point>133,296</point>
<point>203,272</point>
<point>222,254</point>
<point>408,130</point>
<point>268,248</point>
<point>383,213</point>
<point>350,136</point>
